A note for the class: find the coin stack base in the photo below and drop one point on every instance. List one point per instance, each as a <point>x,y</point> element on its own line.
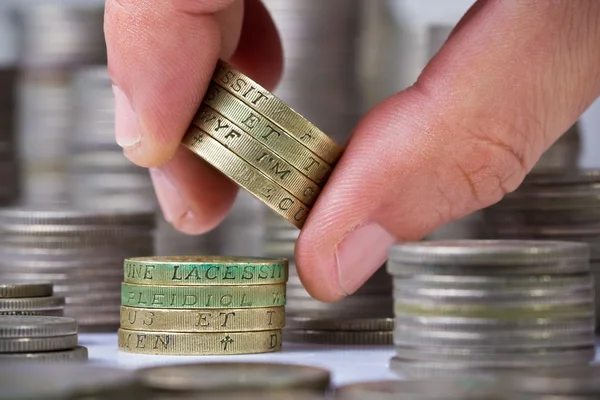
<point>202,305</point>
<point>39,339</point>
<point>481,306</point>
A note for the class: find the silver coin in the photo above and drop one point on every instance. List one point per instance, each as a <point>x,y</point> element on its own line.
<point>49,312</point>
<point>34,326</point>
<point>78,353</point>
<point>31,303</point>
<point>25,381</point>
<point>15,288</point>
<point>347,338</point>
<point>35,344</point>
<point>239,377</point>
<point>57,216</point>
<point>518,282</point>
<point>566,381</point>
<point>565,267</point>
<point>328,323</point>
<point>501,357</point>
<point>442,389</point>
<point>486,253</point>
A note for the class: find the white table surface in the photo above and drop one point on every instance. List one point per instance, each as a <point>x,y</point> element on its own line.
<point>347,364</point>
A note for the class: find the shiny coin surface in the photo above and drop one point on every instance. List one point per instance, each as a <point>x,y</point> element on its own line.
<point>34,326</point>
<point>238,377</point>
<point>206,343</point>
<point>339,337</point>
<point>78,353</point>
<point>239,296</point>
<point>205,270</point>
<point>15,288</point>
<point>31,303</point>
<point>276,197</point>
<point>202,320</point>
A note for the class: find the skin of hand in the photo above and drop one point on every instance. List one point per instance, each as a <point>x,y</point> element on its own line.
<point>513,76</point>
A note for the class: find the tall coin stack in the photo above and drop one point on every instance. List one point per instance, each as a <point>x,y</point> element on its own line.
<point>365,317</point>
<point>99,174</point>
<point>29,298</point>
<point>55,39</point>
<point>559,205</point>
<point>473,307</point>
<point>202,305</point>
<point>262,144</point>
<point>80,251</point>
<point>39,339</point>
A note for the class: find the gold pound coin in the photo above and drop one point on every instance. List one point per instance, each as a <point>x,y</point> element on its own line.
<point>238,296</point>
<point>245,175</point>
<point>203,320</point>
<point>261,129</point>
<point>277,111</point>
<point>212,343</point>
<point>256,154</point>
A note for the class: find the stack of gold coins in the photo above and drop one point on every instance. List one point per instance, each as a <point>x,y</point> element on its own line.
<point>200,305</point>
<point>262,144</point>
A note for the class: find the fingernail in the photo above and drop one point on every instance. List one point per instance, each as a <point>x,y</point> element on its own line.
<point>360,253</point>
<point>127,127</point>
<point>171,202</point>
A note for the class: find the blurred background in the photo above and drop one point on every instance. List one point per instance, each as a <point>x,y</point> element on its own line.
<point>56,105</point>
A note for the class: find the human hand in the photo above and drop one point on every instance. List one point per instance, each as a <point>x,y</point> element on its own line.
<point>513,76</point>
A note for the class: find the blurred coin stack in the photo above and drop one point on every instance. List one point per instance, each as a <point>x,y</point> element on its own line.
<point>234,381</point>
<point>552,205</point>
<point>55,39</point>
<point>202,305</point>
<point>564,153</point>
<point>262,144</point>
<point>100,175</point>
<point>365,317</point>
<point>39,339</point>
<point>29,298</point>
<point>80,251</point>
<point>472,307</point>
<point>323,35</point>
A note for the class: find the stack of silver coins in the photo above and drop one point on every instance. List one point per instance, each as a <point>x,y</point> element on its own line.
<point>322,34</point>
<point>56,38</point>
<point>559,205</point>
<point>99,174</point>
<point>80,251</point>
<point>39,339</point>
<point>29,298</point>
<point>473,307</point>
<point>364,317</point>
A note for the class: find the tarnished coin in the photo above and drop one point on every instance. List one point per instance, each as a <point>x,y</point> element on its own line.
<point>15,288</point>
<point>345,338</point>
<point>33,326</point>
<point>328,323</point>
<point>206,270</point>
<point>486,253</point>
<point>234,377</point>
<point>78,353</point>
<point>26,381</point>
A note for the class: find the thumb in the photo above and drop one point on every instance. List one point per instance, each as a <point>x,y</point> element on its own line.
<point>503,88</point>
